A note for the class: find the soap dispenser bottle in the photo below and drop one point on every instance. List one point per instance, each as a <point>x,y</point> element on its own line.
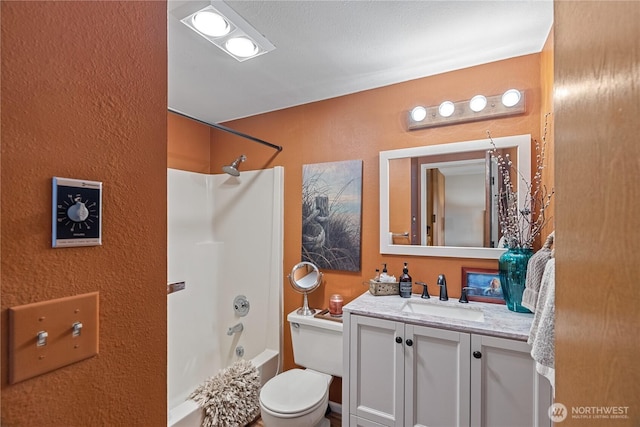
<point>384,276</point>
<point>405,283</point>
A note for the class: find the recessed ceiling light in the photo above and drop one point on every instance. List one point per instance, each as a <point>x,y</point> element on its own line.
<point>511,97</point>
<point>419,113</point>
<point>446,108</point>
<point>211,23</point>
<point>478,103</point>
<point>222,26</point>
<point>241,46</point>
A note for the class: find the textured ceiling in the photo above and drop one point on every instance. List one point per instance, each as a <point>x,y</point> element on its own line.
<point>326,49</point>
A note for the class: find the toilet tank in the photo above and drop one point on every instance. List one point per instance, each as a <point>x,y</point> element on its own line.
<point>317,343</point>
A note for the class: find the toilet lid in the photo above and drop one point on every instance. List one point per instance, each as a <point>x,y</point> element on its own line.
<point>293,391</point>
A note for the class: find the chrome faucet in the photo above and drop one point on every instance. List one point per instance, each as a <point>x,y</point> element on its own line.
<point>442,282</point>
<point>235,328</point>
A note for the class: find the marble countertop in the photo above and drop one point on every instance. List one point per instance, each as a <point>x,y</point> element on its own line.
<point>499,321</point>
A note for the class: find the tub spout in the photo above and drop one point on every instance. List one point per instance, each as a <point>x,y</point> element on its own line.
<point>235,328</point>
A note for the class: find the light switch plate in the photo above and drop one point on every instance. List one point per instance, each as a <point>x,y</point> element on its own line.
<point>53,322</point>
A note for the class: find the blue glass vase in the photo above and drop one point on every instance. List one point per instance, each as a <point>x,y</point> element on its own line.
<point>513,273</point>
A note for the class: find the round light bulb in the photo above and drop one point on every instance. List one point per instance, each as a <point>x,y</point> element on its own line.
<point>511,97</point>
<point>241,46</point>
<point>478,103</point>
<point>211,24</point>
<point>419,113</point>
<point>446,108</point>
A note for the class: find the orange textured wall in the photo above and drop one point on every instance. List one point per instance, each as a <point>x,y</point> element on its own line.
<point>188,144</point>
<point>359,126</point>
<point>548,174</point>
<point>84,96</point>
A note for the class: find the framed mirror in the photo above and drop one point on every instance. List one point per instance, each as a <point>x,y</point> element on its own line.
<point>441,200</point>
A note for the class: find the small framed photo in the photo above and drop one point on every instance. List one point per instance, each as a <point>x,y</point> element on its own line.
<point>484,284</point>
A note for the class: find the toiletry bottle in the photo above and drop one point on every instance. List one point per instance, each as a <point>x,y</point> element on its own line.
<point>384,277</point>
<point>405,283</point>
<point>377,276</point>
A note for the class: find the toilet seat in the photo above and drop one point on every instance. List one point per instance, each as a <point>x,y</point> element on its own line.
<point>293,392</point>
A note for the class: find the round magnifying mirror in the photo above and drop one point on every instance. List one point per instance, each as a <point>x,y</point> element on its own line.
<point>304,278</point>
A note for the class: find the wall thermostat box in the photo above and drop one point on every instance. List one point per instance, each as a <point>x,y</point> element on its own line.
<point>77,213</point>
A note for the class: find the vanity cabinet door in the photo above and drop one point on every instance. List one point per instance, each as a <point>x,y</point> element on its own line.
<point>376,370</point>
<point>506,390</point>
<point>437,373</point>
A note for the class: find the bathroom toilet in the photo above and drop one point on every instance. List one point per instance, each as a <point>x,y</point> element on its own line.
<point>299,397</point>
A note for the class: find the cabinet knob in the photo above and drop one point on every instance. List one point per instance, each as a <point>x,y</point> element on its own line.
<point>477,354</point>
<point>399,340</point>
<point>409,342</point>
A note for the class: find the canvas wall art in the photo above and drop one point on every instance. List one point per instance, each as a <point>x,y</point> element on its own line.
<point>332,214</point>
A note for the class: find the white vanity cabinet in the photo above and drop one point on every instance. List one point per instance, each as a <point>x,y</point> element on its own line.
<point>506,389</point>
<point>401,374</point>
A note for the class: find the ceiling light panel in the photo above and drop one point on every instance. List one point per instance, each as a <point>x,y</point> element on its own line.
<point>241,46</point>
<point>223,27</point>
<point>210,23</point>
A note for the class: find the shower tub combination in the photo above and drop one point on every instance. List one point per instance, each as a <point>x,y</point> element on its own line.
<point>225,242</point>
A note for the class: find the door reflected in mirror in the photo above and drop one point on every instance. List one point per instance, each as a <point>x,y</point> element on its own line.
<point>442,200</point>
<point>445,200</point>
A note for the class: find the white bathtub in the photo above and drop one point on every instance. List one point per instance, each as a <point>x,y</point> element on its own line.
<point>224,241</point>
<point>189,414</point>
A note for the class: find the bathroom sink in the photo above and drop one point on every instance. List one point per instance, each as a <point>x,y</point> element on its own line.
<point>433,309</point>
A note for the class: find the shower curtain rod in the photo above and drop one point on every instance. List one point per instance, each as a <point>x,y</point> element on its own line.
<point>226,129</point>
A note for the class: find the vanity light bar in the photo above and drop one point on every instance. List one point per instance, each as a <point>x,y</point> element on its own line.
<point>462,112</point>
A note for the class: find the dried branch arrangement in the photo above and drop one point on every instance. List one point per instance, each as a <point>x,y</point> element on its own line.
<point>520,225</point>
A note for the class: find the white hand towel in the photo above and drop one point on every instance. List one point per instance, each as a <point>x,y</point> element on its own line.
<point>535,270</point>
<point>542,333</point>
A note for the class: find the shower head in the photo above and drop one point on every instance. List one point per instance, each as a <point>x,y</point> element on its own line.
<point>232,169</point>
